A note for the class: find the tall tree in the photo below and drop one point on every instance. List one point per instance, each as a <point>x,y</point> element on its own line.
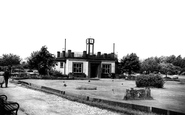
<point>130,63</point>
<point>169,68</point>
<point>171,59</point>
<point>42,60</point>
<point>150,65</point>
<point>178,61</point>
<point>33,61</point>
<point>10,60</point>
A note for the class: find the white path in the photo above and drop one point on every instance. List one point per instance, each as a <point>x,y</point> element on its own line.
<point>38,103</point>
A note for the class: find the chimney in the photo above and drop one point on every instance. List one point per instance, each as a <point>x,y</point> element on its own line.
<point>69,53</point>
<point>72,54</point>
<point>85,54</point>
<point>58,54</point>
<point>63,54</point>
<point>99,54</point>
<point>105,55</point>
<point>109,56</point>
<point>113,47</point>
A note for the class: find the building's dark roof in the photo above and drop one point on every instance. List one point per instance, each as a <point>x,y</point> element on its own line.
<point>87,59</point>
<point>84,56</point>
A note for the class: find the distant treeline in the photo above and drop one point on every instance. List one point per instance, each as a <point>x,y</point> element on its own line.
<point>164,64</point>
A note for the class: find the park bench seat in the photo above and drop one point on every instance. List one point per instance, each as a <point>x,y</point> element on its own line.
<point>8,107</point>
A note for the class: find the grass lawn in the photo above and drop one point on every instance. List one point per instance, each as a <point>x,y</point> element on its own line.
<point>171,97</point>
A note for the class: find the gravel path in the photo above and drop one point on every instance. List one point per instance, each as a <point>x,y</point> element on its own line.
<point>38,103</point>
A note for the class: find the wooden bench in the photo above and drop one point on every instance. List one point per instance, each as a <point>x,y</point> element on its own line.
<point>8,107</point>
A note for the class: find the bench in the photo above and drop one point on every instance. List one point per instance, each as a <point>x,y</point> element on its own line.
<point>8,107</point>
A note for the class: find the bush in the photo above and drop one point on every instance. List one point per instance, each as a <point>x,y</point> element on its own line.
<point>150,81</point>
<point>86,88</point>
<point>76,75</point>
<point>130,77</point>
<point>56,73</point>
<point>48,77</point>
<point>120,76</point>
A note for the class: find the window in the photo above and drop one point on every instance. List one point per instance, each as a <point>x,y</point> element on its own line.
<point>91,41</point>
<point>61,65</point>
<point>77,67</point>
<point>106,68</point>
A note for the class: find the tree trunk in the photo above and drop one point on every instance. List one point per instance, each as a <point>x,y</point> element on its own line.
<point>47,72</point>
<point>166,73</point>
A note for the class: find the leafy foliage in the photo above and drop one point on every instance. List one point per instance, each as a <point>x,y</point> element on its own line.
<point>150,65</point>
<point>130,63</point>
<point>171,59</point>
<point>10,60</point>
<point>33,61</point>
<point>42,60</point>
<point>150,80</point>
<point>56,73</point>
<point>164,64</point>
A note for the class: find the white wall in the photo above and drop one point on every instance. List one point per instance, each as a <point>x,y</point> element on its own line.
<point>57,67</point>
<point>85,67</point>
<point>69,65</point>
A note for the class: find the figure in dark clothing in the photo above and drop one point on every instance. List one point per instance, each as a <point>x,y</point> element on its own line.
<point>6,77</point>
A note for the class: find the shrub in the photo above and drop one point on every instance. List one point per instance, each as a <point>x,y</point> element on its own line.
<point>150,81</point>
<point>71,75</point>
<point>120,76</point>
<point>86,88</point>
<point>130,77</point>
<point>76,75</point>
<point>56,73</point>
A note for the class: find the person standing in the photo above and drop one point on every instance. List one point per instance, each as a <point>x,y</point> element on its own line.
<point>6,77</point>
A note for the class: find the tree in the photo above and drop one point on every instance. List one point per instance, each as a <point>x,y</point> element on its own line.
<point>178,61</point>
<point>169,68</point>
<point>42,60</point>
<point>150,65</point>
<point>25,65</point>
<point>130,63</point>
<point>32,61</point>
<point>171,59</point>
<point>10,60</point>
<point>118,67</point>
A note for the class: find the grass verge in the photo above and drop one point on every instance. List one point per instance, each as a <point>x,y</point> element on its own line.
<point>98,104</point>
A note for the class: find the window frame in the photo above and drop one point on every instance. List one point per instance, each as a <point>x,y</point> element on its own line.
<point>78,70</point>
<point>106,68</point>
<point>61,65</point>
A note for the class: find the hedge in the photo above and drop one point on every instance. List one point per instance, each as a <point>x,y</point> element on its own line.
<point>150,80</point>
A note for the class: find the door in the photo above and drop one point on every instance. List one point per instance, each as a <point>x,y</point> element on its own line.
<point>94,69</point>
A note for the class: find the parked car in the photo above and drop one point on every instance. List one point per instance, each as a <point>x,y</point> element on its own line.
<point>32,72</point>
<point>18,73</point>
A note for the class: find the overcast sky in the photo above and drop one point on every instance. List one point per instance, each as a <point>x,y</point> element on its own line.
<point>145,27</point>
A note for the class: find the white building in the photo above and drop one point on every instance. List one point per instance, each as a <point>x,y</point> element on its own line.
<point>86,63</point>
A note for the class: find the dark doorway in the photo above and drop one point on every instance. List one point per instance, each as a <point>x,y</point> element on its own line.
<point>94,70</point>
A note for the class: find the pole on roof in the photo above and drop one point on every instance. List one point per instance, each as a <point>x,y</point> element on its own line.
<point>65,46</point>
<point>65,62</point>
<point>114,48</point>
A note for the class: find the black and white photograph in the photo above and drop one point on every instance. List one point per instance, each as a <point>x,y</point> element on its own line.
<point>92,57</point>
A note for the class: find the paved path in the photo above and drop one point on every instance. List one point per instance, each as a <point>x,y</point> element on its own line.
<point>38,103</point>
